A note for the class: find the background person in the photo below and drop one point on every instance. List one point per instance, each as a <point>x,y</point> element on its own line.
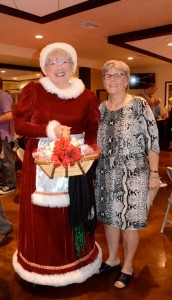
<point>147,93</point>
<point>7,136</point>
<point>127,168</point>
<point>47,251</point>
<point>6,227</point>
<point>169,123</point>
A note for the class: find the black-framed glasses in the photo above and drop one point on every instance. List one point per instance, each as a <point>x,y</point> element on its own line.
<point>115,76</point>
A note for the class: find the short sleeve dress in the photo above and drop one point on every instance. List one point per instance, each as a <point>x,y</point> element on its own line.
<point>125,135</point>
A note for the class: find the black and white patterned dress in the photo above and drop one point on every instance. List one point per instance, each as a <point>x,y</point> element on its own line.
<point>125,135</point>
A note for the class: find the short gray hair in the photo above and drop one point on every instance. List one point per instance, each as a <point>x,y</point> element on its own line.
<point>120,65</point>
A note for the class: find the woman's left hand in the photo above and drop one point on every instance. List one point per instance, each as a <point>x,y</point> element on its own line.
<point>154,182</point>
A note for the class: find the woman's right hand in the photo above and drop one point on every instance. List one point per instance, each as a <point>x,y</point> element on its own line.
<point>59,129</point>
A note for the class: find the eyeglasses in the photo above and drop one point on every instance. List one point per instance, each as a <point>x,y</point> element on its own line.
<point>116,76</point>
<point>53,63</point>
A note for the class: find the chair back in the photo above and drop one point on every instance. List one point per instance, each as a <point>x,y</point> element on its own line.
<point>169,172</point>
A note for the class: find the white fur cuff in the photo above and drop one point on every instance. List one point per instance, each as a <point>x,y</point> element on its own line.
<point>63,279</point>
<point>47,200</point>
<point>50,129</point>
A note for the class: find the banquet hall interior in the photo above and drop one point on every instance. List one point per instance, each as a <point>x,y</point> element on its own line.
<point>138,33</point>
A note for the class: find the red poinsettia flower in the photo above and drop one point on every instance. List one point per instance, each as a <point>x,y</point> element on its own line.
<point>73,154</point>
<point>57,162</point>
<point>65,154</point>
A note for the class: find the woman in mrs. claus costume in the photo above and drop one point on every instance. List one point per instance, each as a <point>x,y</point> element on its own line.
<point>56,245</point>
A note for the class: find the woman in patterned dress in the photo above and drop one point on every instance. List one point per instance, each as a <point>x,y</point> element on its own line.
<point>49,248</point>
<point>127,168</point>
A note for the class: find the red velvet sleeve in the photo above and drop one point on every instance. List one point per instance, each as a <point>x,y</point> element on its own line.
<point>93,118</point>
<point>24,114</point>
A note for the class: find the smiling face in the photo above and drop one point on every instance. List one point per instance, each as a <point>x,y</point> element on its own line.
<point>116,77</point>
<point>59,68</point>
<point>115,81</point>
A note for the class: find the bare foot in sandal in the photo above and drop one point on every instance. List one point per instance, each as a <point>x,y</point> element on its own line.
<point>122,280</point>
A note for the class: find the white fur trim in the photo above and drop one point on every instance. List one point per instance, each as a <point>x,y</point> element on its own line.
<point>76,88</point>
<point>50,200</point>
<point>55,280</point>
<point>66,47</point>
<point>50,129</point>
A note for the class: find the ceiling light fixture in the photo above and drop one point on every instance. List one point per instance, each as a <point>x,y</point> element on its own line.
<point>38,36</point>
<point>89,25</point>
<point>3,71</point>
<point>130,58</point>
<point>169,44</point>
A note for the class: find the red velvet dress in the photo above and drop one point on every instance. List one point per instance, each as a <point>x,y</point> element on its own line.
<point>46,254</point>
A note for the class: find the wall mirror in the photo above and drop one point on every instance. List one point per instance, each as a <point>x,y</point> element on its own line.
<point>168,91</point>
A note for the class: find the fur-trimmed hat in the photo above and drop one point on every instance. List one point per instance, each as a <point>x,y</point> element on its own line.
<point>66,47</point>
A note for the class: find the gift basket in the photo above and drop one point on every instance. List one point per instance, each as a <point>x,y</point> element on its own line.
<point>66,158</point>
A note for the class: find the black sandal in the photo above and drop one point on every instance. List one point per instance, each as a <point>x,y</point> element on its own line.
<point>106,268</point>
<point>123,278</point>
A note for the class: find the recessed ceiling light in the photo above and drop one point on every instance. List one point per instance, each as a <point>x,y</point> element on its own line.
<point>15,78</point>
<point>38,36</point>
<point>169,44</point>
<point>130,58</point>
<point>38,75</point>
<point>3,71</point>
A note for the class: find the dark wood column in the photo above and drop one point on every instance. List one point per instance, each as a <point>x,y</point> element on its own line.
<point>85,76</point>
